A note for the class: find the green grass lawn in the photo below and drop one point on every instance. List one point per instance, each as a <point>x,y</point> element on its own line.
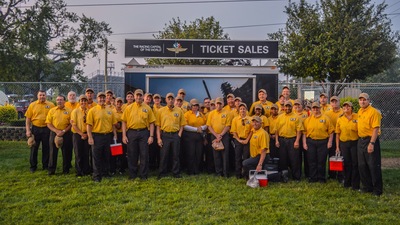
<point>64,199</point>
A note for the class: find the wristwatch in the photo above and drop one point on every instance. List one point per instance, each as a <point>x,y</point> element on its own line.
<point>372,143</point>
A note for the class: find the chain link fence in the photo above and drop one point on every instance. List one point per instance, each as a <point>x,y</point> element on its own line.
<point>385,97</point>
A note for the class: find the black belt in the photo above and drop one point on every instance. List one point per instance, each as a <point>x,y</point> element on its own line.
<point>102,134</point>
<point>364,138</point>
<point>141,129</point>
<point>287,137</point>
<point>164,132</point>
<point>242,138</point>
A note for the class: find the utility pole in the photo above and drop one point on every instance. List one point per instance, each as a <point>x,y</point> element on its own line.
<point>105,65</point>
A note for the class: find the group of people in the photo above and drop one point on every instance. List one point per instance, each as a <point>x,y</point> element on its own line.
<point>208,136</point>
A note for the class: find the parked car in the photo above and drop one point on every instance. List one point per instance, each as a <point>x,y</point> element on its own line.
<point>21,107</point>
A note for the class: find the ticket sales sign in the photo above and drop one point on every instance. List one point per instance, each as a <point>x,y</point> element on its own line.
<point>204,49</point>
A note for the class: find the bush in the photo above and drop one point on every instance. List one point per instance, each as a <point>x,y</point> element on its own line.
<point>8,113</point>
<point>17,123</point>
<point>354,101</point>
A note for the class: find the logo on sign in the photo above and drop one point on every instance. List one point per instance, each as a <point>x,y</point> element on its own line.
<point>177,48</point>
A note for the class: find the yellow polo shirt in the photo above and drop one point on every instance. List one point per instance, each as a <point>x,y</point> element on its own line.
<point>272,123</point>
<point>138,116</point>
<point>156,109</point>
<point>241,126</point>
<point>288,125</point>
<point>348,129</point>
<point>325,108</point>
<point>91,105</point>
<point>72,106</point>
<point>118,115</point>
<point>185,106</point>
<point>78,117</point>
<point>266,105</point>
<point>265,121</point>
<point>38,111</point>
<point>60,118</point>
<point>170,120</point>
<point>318,128</point>
<point>334,115</point>
<point>303,115</point>
<point>259,141</point>
<point>101,119</point>
<point>195,120</point>
<point>368,119</point>
<point>218,120</point>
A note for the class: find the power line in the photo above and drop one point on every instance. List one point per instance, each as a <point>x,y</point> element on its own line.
<point>231,27</point>
<point>163,3</point>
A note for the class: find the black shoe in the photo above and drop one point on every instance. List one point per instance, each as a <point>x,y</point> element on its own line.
<point>376,194</point>
<point>66,172</point>
<point>178,176</point>
<point>365,190</point>
<point>79,175</point>
<point>51,173</point>
<point>239,176</point>
<point>97,180</point>
<point>33,170</point>
<point>312,180</point>
<point>285,177</point>
<point>160,177</point>
<point>322,181</point>
<point>132,177</point>
<point>143,178</point>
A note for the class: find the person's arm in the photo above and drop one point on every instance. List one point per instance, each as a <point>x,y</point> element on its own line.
<point>151,137</point>
<point>261,161</point>
<point>180,131</point>
<point>330,141</point>
<point>305,142</point>
<point>28,124</point>
<point>58,132</point>
<point>159,140</point>
<point>374,136</point>
<point>297,141</point>
<point>115,132</point>
<point>248,138</point>
<point>212,131</point>
<point>277,138</point>
<point>90,136</point>
<point>337,143</point>
<point>124,137</point>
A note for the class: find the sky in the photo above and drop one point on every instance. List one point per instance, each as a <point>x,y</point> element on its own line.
<point>258,18</point>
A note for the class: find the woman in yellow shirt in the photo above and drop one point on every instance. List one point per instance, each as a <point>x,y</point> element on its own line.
<point>317,139</point>
<point>346,143</point>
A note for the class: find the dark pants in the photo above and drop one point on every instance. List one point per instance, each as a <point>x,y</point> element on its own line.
<point>66,151</point>
<point>171,144</point>
<point>303,159</point>
<point>221,157</point>
<point>101,154</point>
<point>273,150</point>
<point>193,143</point>
<point>41,136</point>
<point>369,166</point>
<point>138,150</point>
<point>154,154</point>
<point>81,150</point>
<point>119,162</point>
<point>209,156</point>
<point>289,157</point>
<point>242,152</point>
<point>317,153</point>
<point>332,152</point>
<point>251,164</point>
<point>351,174</point>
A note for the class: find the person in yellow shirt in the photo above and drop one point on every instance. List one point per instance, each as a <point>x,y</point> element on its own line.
<point>154,154</point>
<point>90,96</point>
<point>101,128</point>
<point>281,104</point>
<point>170,121</point>
<point>138,133</point>
<point>241,131</point>
<point>58,120</point>
<point>207,105</point>
<point>219,123</point>
<point>185,104</point>
<point>317,139</point>
<point>333,113</point>
<point>119,163</point>
<point>193,137</point>
<point>258,110</point>
<point>72,103</point>
<point>230,102</point>
<point>235,112</point>
<point>259,148</point>
<point>80,138</point>
<point>262,100</point>
<point>148,98</point>
<point>35,124</point>
<point>179,104</point>
<point>298,109</point>
<point>109,99</point>
<point>288,133</point>
<point>369,149</point>
<point>129,99</point>
<point>285,96</point>
<point>323,101</point>
<point>346,144</point>
<point>272,120</point>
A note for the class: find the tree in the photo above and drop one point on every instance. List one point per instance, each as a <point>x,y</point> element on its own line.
<point>336,41</point>
<point>391,75</point>
<point>204,28</point>
<point>45,42</point>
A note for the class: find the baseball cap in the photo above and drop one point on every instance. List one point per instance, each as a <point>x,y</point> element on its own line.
<point>323,94</point>
<point>238,98</point>
<point>315,104</point>
<point>363,95</point>
<point>182,91</point>
<point>212,101</point>
<point>109,91</point>
<point>83,97</point>
<point>129,93</point>
<point>119,99</point>
<point>89,89</point>
<point>101,94</point>
<point>31,141</point>
<point>194,102</point>
<point>243,104</point>
<point>258,106</point>
<point>58,141</point>
<point>179,98</point>
<point>170,95</point>
<point>256,118</point>
<point>148,94</point>
<point>334,98</point>
<point>156,96</point>
<point>274,106</point>
<point>230,95</point>
<point>297,101</point>
<point>288,103</point>
<point>262,90</point>
<point>138,91</point>
<point>348,103</point>
<point>219,100</point>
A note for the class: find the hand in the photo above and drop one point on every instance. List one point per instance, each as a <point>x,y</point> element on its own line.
<point>199,130</point>
<point>125,139</point>
<point>59,133</point>
<point>305,146</point>
<point>329,145</point>
<point>84,136</point>
<point>296,145</point>
<point>337,150</point>
<point>277,143</point>
<point>160,142</point>
<point>370,148</point>
<point>91,141</point>
<point>259,168</point>
<point>28,133</point>
<point>150,140</point>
